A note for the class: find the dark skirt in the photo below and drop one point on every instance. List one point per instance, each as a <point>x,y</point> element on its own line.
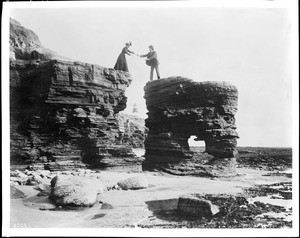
<point>121,63</point>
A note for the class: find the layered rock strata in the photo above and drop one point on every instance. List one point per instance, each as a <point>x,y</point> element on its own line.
<point>62,109</point>
<point>179,108</point>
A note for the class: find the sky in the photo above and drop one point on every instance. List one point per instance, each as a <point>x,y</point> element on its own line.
<point>247,47</point>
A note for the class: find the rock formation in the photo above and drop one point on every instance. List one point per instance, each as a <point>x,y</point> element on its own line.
<point>133,129</point>
<point>212,205</point>
<point>75,190</point>
<point>196,205</point>
<point>25,45</point>
<point>64,110</point>
<point>137,182</point>
<point>179,108</point>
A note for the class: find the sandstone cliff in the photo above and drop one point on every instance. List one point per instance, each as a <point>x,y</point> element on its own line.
<point>180,108</point>
<point>25,44</point>
<point>64,110</point>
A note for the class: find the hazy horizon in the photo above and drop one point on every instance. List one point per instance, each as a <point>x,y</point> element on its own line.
<point>247,47</point>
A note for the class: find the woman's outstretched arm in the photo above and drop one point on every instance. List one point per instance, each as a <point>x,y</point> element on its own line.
<point>129,52</point>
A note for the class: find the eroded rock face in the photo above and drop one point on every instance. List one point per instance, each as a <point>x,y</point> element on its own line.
<point>179,108</point>
<point>25,44</point>
<point>64,110</point>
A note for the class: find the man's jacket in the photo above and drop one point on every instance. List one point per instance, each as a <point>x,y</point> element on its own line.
<point>151,58</point>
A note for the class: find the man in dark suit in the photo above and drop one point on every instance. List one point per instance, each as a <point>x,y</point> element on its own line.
<point>152,61</point>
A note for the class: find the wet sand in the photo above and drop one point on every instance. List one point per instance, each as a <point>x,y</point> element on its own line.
<point>132,208</point>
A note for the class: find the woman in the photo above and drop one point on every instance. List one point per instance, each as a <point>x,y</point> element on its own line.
<point>121,63</point>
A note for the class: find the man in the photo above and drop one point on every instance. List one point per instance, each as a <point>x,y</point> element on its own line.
<point>152,61</point>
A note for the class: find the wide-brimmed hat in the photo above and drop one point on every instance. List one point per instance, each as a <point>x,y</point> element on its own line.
<point>128,43</point>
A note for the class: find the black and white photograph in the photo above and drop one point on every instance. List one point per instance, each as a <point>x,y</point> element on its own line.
<point>150,118</point>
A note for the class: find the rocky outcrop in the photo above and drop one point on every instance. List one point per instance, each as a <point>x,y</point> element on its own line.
<point>63,110</point>
<point>133,130</point>
<point>25,45</point>
<point>179,108</point>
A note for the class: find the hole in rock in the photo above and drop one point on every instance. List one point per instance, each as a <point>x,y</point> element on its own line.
<point>196,146</point>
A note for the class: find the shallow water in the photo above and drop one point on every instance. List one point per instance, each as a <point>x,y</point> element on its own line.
<point>280,215</point>
<point>123,208</point>
<point>267,199</point>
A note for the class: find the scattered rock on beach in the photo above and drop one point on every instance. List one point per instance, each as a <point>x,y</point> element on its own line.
<point>18,180</point>
<point>16,193</point>
<point>28,177</point>
<point>75,190</point>
<point>214,205</point>
<point>18,177</point>
<point>137,182</point>
<point>196,206</point>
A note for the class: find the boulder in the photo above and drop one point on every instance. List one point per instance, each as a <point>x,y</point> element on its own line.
<point>196,205</point>
<point>18,177</point>
<point>44,173</point>
<point>16,193</point>
<point>18,180</point>
<point>18,173</point>
<point>208,205</point>
<point>75,190</point>
<point>137,182</point>
<point>37,179</point>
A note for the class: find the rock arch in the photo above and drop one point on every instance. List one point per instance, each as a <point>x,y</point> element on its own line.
<point>179,108</point>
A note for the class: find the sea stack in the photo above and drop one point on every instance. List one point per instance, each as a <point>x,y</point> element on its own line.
<point>179,108</point>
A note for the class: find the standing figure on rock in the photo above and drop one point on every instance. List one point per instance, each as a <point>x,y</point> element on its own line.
<point>152,61</point>
<point>121,63</point>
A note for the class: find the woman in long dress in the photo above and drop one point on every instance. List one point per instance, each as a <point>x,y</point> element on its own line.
<point>121,63</point>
